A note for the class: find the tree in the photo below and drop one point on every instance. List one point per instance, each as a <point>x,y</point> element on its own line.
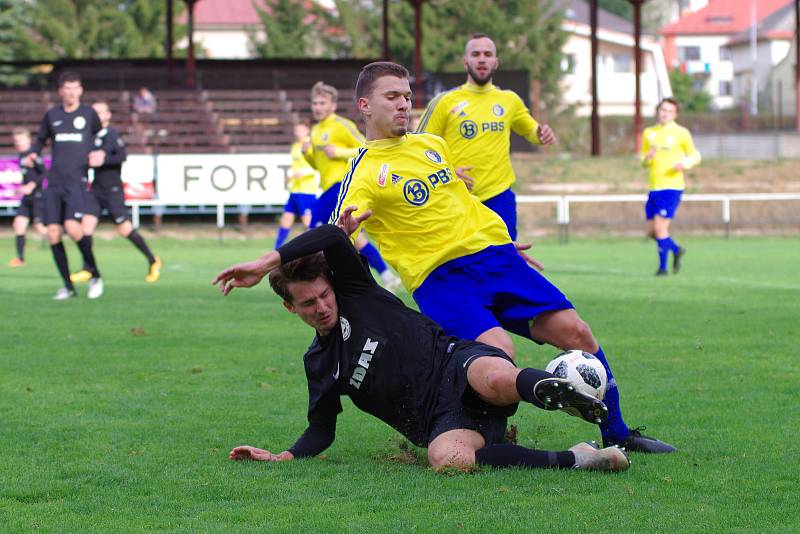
<point>691,98</point>
<point>75,29</point>
<point>292,29</point>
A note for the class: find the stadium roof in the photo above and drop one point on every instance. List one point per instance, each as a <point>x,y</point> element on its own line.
<point>722,17</point>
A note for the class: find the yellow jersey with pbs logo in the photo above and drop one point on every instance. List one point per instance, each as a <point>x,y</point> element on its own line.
<point>477,121</point>
<point>341,133</point>
<point>422,213</point>
<point>672,143</point>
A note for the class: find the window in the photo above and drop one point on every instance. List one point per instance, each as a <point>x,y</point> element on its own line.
<point>724,53</point>
<point>725,88</point>
<point>568,64</point>
<point>688,53</point>
<point>622,62</point>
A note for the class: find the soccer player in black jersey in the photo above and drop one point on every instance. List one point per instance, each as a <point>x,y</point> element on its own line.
<point>71,126</point>
<point>106,191</point>
<point>447,394</point>
<point>31,207</point>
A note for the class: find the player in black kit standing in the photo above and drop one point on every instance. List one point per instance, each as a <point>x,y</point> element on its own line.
<point>71,127</point>
<point>31,207</point>
<point>447,394</point>
<point>107,192</point>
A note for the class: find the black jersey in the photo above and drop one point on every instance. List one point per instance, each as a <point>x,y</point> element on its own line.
<point>386,357</point>
<point>110,173</point>
<point>72,136</point>
<point>32,174</point>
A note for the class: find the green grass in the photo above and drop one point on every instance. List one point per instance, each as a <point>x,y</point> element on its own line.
<point>118,414</point>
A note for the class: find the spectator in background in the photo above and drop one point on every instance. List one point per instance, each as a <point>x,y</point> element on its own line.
<point>144,103</point>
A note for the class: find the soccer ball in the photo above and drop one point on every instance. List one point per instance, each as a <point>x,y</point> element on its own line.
<point>583,370</point>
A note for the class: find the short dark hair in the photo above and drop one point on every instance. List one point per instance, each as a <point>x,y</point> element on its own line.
<point>303,269</point>
<point>378,69</point>
<point>68,76</point>
<point>670,100</point>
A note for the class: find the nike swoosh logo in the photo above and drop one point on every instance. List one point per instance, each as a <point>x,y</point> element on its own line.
<point>336,374</point>
<point>57,123</point>
<point>469,360</point>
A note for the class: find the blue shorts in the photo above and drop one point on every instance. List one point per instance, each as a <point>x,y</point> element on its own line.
<point>494,287</point>
<point>505,205</point>
<point>326,204</point>
<point>300,204</point>
<point>663,203</point>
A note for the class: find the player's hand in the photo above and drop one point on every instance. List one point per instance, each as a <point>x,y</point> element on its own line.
<point>28,188</point>
<point>330,151</point>
<point>246,452</point>
<point>521,247</point>
<point>678,167</point>
<point>546,134</point>
<point>97,158</point>
<point>241,275</point>
<point>29,160</point>
<point>306,146</point>
<point>350,224</point>
<point>461,172</point>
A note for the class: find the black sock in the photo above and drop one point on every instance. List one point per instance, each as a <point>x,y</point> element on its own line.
<point>85,246</point>
<point>86,266</point>
<point>60,256</point>
<point>139,243</point>
<point>21,247</point>
<point>510,455</point>
<point>528,378</point>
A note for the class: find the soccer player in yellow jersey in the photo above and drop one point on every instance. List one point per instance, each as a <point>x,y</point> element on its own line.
<point>667,150</point>
<point>302,183</point>
<point>453,253</point>
<point>476,120</point>
<point>334,142</point>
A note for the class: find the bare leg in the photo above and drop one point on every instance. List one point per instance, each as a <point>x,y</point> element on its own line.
<point>497,337</point>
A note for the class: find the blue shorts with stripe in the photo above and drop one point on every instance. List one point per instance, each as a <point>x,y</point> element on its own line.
<point>494,287</point>
<point>663,203</point>
<point>325,206</point>
<point>505,205</point>
<point>300,204</point>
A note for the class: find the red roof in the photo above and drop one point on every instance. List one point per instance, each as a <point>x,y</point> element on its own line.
<point>229,12</point>
<point>722,17</point>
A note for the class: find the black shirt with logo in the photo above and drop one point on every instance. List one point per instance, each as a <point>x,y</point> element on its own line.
<point>110,173</point>
<point>72,136</point>
<point>386,357</point>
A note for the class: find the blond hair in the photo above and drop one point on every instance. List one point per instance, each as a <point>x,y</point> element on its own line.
<point>322,88</point>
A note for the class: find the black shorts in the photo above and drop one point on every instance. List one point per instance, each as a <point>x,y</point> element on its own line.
<point>111,199</point>
<point>63,202</point>
<point>32,206</point>
<point>459,406</point>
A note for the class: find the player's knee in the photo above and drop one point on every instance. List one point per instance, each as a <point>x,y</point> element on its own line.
<point>582,336</point>
<point>53,234</point>
<point>500,382</point>
<point>451,456</point>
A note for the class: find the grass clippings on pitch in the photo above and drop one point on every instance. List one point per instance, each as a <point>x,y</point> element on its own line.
<point>118,414</point>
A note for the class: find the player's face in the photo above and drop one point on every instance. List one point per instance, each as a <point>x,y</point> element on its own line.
<point>315,303</point>
<point>300,132</point>
<point>388,107</point>
<point>103,112</point>
<point>70,93</point>
<point>480,60</point>
<point>667,112</point>
<point>22,143</point>
<point>322,106</point>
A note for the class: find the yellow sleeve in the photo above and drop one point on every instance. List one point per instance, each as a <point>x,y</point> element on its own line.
<point>645,149</point>
<point>693,157</point>
<point>522,123</point>
<point>434,120</point>
<point>355,191</point>
<point>345,153</point>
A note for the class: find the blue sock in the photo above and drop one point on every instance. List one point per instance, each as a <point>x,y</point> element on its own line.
<point>614,429</point>
<point>373,257</point>
<point>673,246</point>
<point>663,252</point>
<point>283,233</point>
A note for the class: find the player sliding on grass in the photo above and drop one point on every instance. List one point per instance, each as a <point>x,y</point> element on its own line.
<point>447,394</point>
<point>453,253</point>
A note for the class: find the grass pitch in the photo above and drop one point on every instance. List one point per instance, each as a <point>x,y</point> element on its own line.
<point>118,414</point>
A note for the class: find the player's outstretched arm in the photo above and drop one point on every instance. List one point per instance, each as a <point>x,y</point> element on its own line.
<point>246,452</point>
<point>348,222</point>
<point>247,274</point>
